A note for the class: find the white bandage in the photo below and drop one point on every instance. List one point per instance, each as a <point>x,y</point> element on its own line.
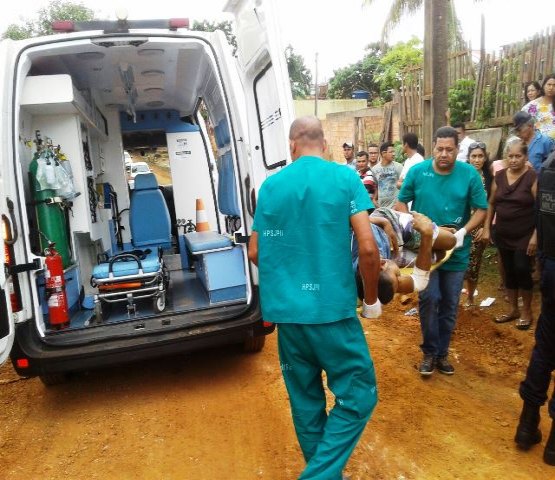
<point>420,279</point>
<point>371,311</point>
<point>459,235</point>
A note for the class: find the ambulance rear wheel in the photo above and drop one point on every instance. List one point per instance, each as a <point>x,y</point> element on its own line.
<point>52,379</point>
<point>254,344</point>
<point>159,303</point>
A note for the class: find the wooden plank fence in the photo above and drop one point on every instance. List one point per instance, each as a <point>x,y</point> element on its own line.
<point>500,80</point>
<point>410,99</point>
<point>499,92</point>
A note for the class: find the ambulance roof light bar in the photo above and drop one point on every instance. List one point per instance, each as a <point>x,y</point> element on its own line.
<point>118,26</point>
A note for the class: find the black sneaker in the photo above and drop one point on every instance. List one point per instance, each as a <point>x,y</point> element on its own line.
<point>444,366</point>
<point>427,366</point>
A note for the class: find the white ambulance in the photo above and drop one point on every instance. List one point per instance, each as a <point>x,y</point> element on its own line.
<point>96,273</point>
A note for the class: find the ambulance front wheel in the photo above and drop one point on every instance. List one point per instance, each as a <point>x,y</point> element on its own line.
<point>159,303</point>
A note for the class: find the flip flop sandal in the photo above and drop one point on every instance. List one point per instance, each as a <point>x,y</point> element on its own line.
<point>505,318</point>
<point>523,324</point>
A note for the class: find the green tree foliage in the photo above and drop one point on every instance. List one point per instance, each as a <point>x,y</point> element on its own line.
<point>379,72</point>
<point>359,76</point>
<point>398,59</point>
<point>460,98</point>
<point>41,24</point>
<point>299,75</point>
<point>485,113</point>
<point>226,27</point>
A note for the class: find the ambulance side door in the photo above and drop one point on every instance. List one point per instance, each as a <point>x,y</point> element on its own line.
<point>265,81</point>
<point>7,329</point>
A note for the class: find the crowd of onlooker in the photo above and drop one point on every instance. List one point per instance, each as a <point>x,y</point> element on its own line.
<point>509,183</point>
<point>351,228</point>
<point>508,203</point>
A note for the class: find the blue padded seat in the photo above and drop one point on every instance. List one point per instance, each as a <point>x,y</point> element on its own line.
<point>149,217</point>
<point>150,264</point>
<point>149,220</point>
<point>205,241</point>
<point>227,190</point>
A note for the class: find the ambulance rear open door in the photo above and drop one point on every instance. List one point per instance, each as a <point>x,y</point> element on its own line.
<point>7,328</point>
<point>265,79</point>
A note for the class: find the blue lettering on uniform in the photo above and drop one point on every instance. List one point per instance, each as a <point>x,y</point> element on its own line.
<point>272,233</point>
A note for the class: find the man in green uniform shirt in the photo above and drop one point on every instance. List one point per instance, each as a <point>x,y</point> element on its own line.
<point>449,193</point>
<point>301,242</point>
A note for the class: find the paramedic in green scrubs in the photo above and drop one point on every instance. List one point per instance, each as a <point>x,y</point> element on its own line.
<point>301,243</point>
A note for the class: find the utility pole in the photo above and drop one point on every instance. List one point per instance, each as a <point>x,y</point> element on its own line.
<point>316,85</point>
<point>482,38</point>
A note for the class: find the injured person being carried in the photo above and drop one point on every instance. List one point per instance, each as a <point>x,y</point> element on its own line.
<point>410,245</point>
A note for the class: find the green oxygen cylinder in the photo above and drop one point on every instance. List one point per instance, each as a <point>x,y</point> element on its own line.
<point>51,216</point>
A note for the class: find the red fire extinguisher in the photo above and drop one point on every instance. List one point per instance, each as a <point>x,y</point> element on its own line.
<point>55,289</point>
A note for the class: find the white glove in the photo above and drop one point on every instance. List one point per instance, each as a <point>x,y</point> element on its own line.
<point>459,235</point>
<point>371,311</point>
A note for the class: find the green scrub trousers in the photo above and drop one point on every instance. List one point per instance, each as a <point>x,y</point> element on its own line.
<point>340,349</point>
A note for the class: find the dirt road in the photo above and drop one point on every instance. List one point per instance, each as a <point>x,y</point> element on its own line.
<point>221,414</point>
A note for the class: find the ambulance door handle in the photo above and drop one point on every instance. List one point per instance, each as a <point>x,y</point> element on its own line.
<point>240,238</point>
<point>14,230</point>
<point>251,196</point>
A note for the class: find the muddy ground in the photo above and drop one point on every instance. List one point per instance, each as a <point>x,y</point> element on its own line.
<point>222,414</point>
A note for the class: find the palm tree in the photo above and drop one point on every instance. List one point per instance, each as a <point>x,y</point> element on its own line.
<point>438,34</point>
<point>400,8</point>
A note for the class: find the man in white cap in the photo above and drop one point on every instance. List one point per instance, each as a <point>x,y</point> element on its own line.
<point>349,154</point>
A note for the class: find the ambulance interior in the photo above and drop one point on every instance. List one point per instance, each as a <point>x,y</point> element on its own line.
<point>129,253</point>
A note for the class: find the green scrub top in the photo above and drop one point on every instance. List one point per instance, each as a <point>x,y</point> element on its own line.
<point>304,241</point>
<point>446,200</point>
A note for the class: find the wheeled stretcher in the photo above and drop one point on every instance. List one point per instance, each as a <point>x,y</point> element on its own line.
<point>130,276</point>
<point>140,273</point>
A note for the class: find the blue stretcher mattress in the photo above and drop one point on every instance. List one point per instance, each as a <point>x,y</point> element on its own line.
<point>150,264</point>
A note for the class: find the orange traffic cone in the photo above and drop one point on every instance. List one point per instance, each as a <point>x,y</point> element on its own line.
<point>202,217</point>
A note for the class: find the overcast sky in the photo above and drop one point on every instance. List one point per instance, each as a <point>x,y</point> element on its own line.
<point>337,30</point>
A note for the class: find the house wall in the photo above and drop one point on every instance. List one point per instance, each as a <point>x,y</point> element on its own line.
<point>306,107</point>
<point>360,127</point>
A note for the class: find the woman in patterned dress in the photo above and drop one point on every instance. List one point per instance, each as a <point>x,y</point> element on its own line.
<point>543,108</point>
